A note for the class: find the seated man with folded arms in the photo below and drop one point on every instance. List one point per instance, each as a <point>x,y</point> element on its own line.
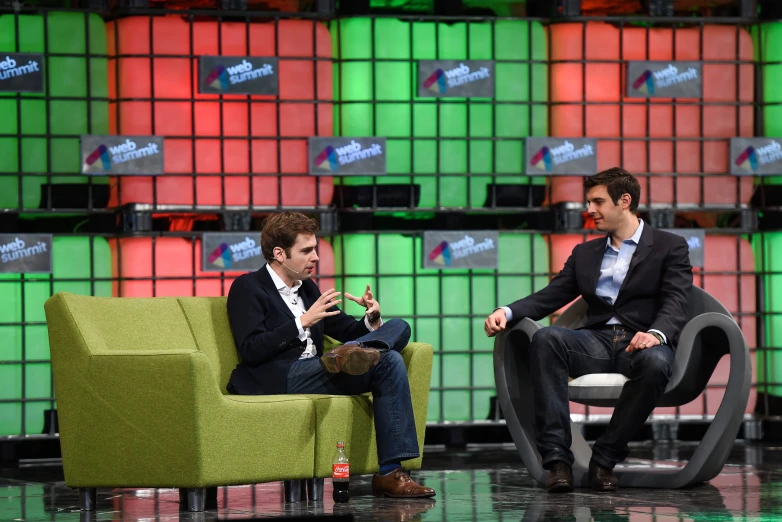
<point>279,317</point>
<point>635,281</point>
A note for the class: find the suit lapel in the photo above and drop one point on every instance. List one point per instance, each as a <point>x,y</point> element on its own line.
<point>642,250</point>
<point>270,288</point>
<point>596,263</point>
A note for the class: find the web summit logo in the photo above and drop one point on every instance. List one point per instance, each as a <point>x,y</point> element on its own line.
<point>752,158</point>
<point>546,158</point>
<point>221,77</point>
<point>18,249</point>
<point>445,253</point>
<point>649,81</point>
<point>116,154</point>
<point>225,255</point>
<point>332,157</point>
<point>439,81</point>
<point>10,69</point>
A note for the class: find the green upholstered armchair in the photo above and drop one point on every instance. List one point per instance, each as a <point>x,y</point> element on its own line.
<point>142,402</point>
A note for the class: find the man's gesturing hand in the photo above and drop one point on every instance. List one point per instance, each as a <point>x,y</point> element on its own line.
<point>495,323</point>
<point>642,341</point>
<point>319,308</point>
<point>367,301</point>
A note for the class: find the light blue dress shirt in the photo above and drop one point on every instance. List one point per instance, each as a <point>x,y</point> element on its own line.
<point>613,270</point>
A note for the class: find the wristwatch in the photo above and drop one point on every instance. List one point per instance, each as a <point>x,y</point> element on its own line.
<point>658,337</point>
<point>373,317</point>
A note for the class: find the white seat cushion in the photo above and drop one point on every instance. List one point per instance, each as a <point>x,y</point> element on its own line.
<point>596,386</point>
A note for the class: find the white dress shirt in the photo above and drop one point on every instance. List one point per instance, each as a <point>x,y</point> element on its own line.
<point>296,305</point>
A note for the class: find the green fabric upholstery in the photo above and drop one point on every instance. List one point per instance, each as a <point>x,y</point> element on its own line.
<point>350,419</point>
<point>140,385</point>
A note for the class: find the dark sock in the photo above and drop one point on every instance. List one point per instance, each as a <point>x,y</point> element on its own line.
<point>385,469</point>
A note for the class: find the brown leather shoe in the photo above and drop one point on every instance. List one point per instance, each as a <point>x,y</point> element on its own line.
<point>398,484</point>
<point>602,479</point>
<point>560,478</point>
<point>353,359</point>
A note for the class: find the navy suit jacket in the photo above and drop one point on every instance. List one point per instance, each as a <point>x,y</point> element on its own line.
<point>653,294</point>
<point>266,335</point>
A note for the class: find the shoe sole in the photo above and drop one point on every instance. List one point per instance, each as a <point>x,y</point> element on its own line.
<point>609,489</point>
<point>560,488</point>
<point>388,495</point>
<point>357,362</point>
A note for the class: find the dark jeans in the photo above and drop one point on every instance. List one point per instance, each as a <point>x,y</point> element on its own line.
<point>556,353</point>
<point>393,408</point>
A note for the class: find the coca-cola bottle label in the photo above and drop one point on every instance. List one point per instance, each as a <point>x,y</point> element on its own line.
<point>340,471</point>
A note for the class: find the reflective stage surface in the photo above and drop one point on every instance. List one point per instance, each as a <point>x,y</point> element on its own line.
<point>478,483</point>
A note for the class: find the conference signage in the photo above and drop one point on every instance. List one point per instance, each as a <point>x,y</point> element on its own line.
<point>121,155</point>
<point>456,78</point>
<point>453,249</point>
<point>664,79</point>
<point>25,253</point>
<point>755,156</point>
<point>334,156</point>
<point>565,156</point>
<point>238,75</point>
<point>696,239</point>
<point>234,251</point>
<point>21,72</point>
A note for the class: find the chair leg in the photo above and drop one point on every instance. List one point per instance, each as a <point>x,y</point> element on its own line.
<point>88,497</point>
<point>293,490</point>
<point>315,489</point>
<point>211,498</point>
<point>196,499</point>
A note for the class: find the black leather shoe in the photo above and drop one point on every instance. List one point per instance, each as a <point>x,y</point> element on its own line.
<point>560,478</point>
<point>602,479</point>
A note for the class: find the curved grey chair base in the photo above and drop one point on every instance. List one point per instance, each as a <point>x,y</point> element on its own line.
<point>514,392</point>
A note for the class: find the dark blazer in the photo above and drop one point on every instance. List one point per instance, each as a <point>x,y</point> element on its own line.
<point>266,335</point>
<point>653,295</point>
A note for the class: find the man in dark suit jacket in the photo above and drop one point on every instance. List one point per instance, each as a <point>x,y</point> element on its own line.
<point>279,317</point>
<point>635,282</point>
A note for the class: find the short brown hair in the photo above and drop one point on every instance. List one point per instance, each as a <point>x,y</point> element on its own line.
<point>281,230</point>
<point>618,181</point>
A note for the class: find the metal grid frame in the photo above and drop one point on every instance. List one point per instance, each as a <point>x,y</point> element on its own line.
<point>472,313</point>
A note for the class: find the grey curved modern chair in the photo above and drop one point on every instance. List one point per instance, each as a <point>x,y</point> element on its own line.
<point>710,333</point>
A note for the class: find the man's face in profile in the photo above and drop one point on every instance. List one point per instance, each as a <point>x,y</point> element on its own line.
<point>304,255</point>
<point>606,214</point>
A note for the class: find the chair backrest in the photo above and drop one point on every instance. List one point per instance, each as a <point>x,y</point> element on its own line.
<point>699,302</point>
<point>208,318</point>
<point>111,324</point>
<point>155,323</point>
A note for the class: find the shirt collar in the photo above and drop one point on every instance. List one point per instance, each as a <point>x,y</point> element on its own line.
<point>280,284</point>
<point>636,237</point>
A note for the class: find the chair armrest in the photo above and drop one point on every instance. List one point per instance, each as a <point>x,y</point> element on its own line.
<point>135,413</point>
<point>704,340</point>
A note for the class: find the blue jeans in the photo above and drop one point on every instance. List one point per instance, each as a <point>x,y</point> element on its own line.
<point>556,353</point>
<point>393,408</point>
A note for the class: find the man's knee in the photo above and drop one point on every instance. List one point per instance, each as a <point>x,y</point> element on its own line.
<point>655,363</point>
<point>547,338</point>
<point>404,330</point>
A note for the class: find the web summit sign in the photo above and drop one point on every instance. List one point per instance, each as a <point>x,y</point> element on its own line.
<point>231,251</point>
<point>664,80</point>
<point>565,156</point>
<point>453,249</point>
<point>456,78</point>
<point>25,253</point>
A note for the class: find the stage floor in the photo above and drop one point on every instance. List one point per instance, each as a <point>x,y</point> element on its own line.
<point>482,483</point>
